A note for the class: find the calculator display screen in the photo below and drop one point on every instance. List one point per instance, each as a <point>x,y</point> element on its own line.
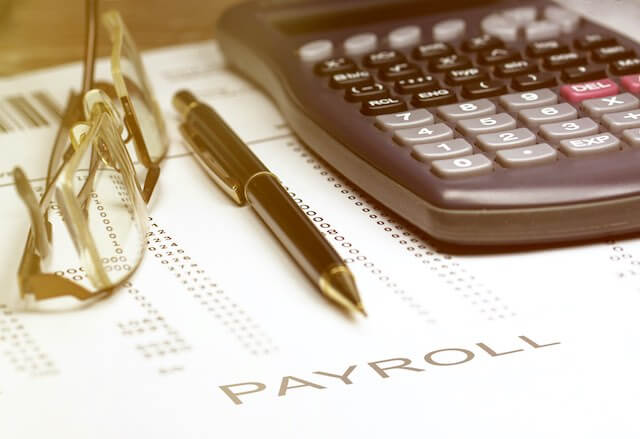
<point>319,17</point>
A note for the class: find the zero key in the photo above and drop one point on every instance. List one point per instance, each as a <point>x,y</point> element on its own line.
<point>589,90</point>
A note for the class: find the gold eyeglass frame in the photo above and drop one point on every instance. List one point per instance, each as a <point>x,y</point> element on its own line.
<point>88,137</point>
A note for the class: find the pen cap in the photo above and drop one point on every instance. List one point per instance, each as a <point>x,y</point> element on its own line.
<point>233,155</point>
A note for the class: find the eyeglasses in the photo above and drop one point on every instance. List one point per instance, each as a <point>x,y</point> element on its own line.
<point>89,227</point>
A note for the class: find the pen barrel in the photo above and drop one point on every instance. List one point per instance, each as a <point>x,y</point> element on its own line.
<point>291,226</point>
<point>232,153</point>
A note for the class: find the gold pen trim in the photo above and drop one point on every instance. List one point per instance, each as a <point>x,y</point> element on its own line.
<point>257,174</point>
<point>216,172</point>
<point>328,289</point>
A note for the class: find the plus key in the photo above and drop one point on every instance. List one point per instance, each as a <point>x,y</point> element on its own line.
<point>589,90</point>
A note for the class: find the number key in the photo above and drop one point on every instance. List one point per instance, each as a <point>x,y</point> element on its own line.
<point>566,130</point>
<point>469,166</point>
<point>517,101</point>
<point>454,112</point>
<point>534,117</point>
<point>488,124</point>
<point>493,142</point>
<point>425,134</point>
<point>428,152</point>
<point>406,119</point>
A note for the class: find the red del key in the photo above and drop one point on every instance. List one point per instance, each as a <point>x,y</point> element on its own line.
<point>588,90</point>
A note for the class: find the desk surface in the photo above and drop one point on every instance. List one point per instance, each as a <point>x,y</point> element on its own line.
<point>41,33</point>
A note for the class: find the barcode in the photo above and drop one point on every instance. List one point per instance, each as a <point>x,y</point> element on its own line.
<point>21,112</point>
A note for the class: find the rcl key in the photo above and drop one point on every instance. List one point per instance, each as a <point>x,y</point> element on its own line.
<point>375,107</point>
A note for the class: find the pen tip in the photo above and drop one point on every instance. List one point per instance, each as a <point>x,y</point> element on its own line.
<point>338,285</point>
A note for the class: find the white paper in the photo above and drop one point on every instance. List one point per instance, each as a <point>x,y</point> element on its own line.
<point>228,306</point>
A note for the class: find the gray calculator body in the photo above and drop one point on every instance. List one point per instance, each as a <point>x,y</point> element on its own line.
<point>482,123</point>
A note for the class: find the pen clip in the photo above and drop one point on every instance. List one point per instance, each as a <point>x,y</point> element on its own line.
<point>214,169</point>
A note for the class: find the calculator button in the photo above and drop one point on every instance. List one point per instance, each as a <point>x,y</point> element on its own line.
<point>517,101</point>
<point>449,30</point>
<point>625,66</point>
<point>632,137</point>
<point>533,155</point>
<point>542,48</point>
<point>460,76</point>
<point>542,30</point>
<point>566,130</point>
<point>469,166</point>
<point>618,122</point>
<point>432,50</point>
<point>416,85</point>
<point>567,20</point>
<point>564,60</point>
<point>493,142</point>
<point>425,134</point>
<point>593,40</point>
<point>449,62</point>
<point>428,152</point>
<point>602,142</point>
<point>360,44</point>
<point>533,81</point>
<point>631,83</point>
<point>498,55</point>
<point>514,68</point>
<point>398,71</point>
<point>583,73</point>
<point>521,16</point>
<point>589,90</point>
<point>436,96</point>
<point>350,79</point>
<point>366,92</point>
<point>375,107</point>
<point>597,107</point>
<point>500,27</point>
<point>406,119</point>
<point>484,89</point>
<point>454,112</point>
<point>335,65</point>
<point>404,36</point>
<point>487,124</point>
<point>383,58</point>
<point>612,53</point>
<point>315,50</point>
<point>482,43</point>
<point>533,117</point>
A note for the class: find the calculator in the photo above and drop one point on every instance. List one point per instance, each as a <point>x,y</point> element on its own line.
<point>481,122</point>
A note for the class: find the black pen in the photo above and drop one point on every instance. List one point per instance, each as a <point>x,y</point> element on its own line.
<point>230,162</point>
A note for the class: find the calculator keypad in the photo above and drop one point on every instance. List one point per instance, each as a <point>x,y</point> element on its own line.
<point>469,105</point>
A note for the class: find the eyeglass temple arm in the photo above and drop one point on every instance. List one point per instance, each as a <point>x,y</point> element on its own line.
<point>27,194</point>
<point>91,29</point>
